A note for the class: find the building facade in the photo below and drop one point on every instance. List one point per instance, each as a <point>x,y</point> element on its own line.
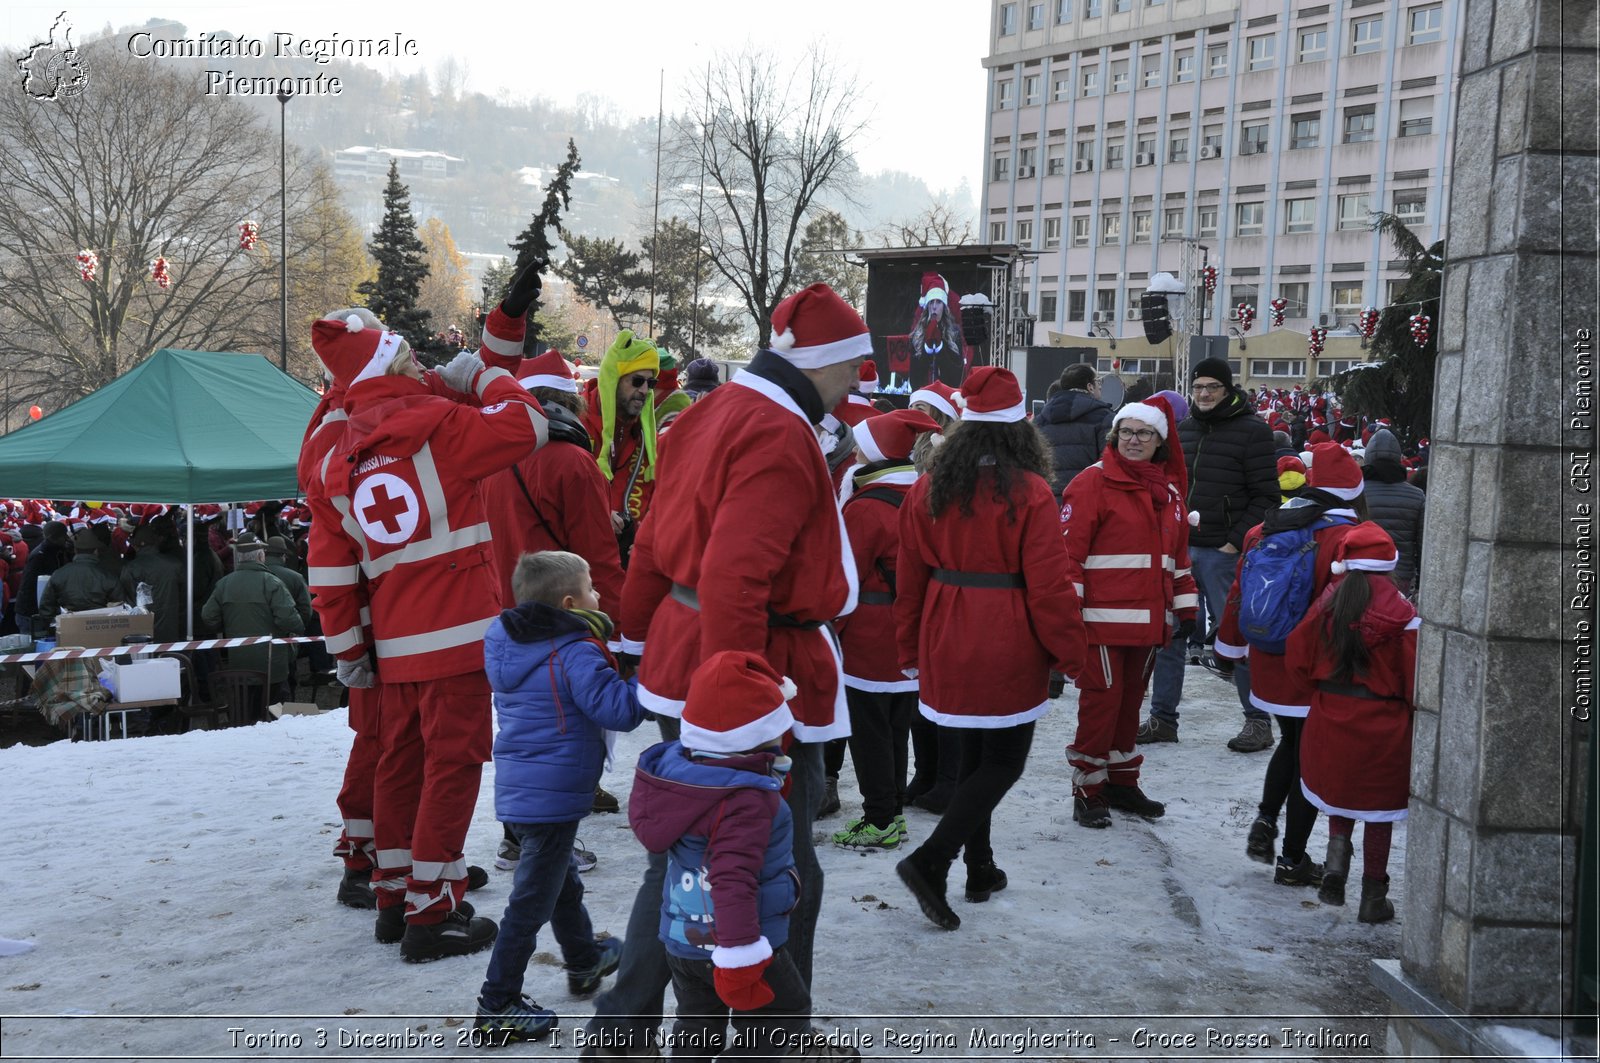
<point>1130,137</point>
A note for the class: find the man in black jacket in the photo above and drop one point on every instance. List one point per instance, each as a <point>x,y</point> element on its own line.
<point>1233,481</point>
<point>1075,421</point>
<point>1396,505</point>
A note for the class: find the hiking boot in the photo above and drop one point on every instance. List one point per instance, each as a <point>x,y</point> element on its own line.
<point>586,859</point>
<point>982,880</point>
<point>583,981</point>
<point>477,877</point>
<point>605,802</point>
<point>355,889</point>
<point>1261,843</point>
<point>1221,667</point>
<point>1335,869</point>
<point>521,1020</point>
<point>506,857</point>
<point>859,834</point>
<point>1132,799</point>
<point>928,888</point>
<point>935,800</point>
<point>391,925</point>
<point>1255,736</point>
<point>1305,873</point>
<point>1376,907</point>
<point>903,827</point>
<point>456,935</point>
<point>1091,812</point>
<point>830,798</point>
<point>1155,729</point>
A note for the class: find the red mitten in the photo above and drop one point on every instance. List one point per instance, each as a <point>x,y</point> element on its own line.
<point>744,988</point>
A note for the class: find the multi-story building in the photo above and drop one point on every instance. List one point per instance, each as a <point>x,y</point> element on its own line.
<point>1130,137</point>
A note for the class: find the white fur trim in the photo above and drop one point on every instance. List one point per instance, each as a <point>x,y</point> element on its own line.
<point>1362,564</point>
<point>1005,416</point>
<point>1389,815</point>
<point>934,293</point>
<point>788,689</point>
<point>866,387</point>
<point>1149,415</point>
<point>1346,493</point>
<point>984,723</point>
<point>378,364</point>
<point>822,355</point>
<point>866,444</point>
<point>729,957</point>
<point>757,732</point>
<point>556,383</point>
<point>1229,650</point>
<point>936,400</point>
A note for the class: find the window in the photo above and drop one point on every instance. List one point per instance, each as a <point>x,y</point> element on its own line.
<point>1030,89</point>
<point>1248,219</point>
<point>1105,301</point>
<point>1025,233</point>
<point>1111,228</point>
<point>1366,34</point>
<point>1085,155</point>
<point>1089,83</point>
<point>1005,96</point>
<point>1299,215</point>
<point>997,232</point>
<point>1330,367</point>
<point>1133,303</point>
<point>1091,8</point>
<point>1150,70</point>
<point>1216,60</point>
<point>1061,89</point>
<point>1114,150</point>
<point>1240,293</point>
<point>1027,160</point>
<point>1253,137</point>
<point>1313,44</point>
<point>1008,19</point>
<point>1293,367</point>
<point>1183,65</point>
<point>1396,288</point>
<point>1147,146</point>
<point>1211,137</point>
<point>1143,226</point>
<point>1063,11</point>
<point>1178,146</point>
<point>1297,296</point>
<point>1002,168</point>
<point>1048,302</point>
<point>1036,16</point>
<point>1416,117</point>
<point>1119,75</point>
<point>1305,131</point>
<point>1052,233</point>
<point>1427,24</point>
<point>1355,212</point>
<point>1121,5</point>
<point>1057,164</point>
<point>1075,305</point>
<point>1263,51</point>
<point>1206,221</point>
<point>1411,204</point>
<point>1172,223</point>
<point>1080,230</point>
<point>1347,298</point>
<point>1360,124</point>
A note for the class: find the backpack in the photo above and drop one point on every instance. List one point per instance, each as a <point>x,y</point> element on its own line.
<point>1275,584</point>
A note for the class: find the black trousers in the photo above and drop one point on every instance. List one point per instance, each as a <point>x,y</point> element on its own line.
<point>700,1031</point>
<point>880,730</point>
<point>992,760</point>
<point>833,756</point>
<point>938,756</point>
<point>1282,786</point>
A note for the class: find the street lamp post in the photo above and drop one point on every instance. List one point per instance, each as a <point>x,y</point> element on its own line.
<point>283,229</point>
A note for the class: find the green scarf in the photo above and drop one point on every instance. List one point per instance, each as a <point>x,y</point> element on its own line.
<point>600,624</point>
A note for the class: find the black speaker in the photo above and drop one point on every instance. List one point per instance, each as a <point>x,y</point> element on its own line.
<point>1153,312</point>
<point>975,325</point>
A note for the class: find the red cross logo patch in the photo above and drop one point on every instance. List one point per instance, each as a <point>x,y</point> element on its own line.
<point>386,507</point>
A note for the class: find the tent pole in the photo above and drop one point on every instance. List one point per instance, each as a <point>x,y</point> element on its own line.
<point>188,538</point>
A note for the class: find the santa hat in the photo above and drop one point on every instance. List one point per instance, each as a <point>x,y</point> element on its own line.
<point>891,435</point>
<point>352,351</point>
<point>867,383</point>
<point>1145,413</point>
<point>1291,463</point>
<point>934,287</point>
<point>814,328</point>
<point>853,413</point>
<point>736,703</point>
<point>1159,414</point>
<point>1316,437</point>
<point>940,396</point>
<point>991,394</point>
<point>549,370</point>
<point>1333,470</point>
<point>1364,548</point>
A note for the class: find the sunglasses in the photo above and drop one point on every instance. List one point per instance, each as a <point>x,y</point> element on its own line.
<point>639,380</point>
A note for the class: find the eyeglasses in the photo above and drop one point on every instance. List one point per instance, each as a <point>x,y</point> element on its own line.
<point>1143,435</point>
<point>1206,389</point>
<point>639,380</point>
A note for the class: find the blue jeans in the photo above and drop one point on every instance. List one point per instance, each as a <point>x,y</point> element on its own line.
<point>546,889</point>
<point>1213,576</point>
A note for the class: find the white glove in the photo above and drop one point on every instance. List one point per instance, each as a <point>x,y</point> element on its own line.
<point>356,674</point>
<point>461,371</point>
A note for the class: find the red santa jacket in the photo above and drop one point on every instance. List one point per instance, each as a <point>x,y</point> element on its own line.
<point>867,636</point>
<point>560,503</point>
<point>1273,688</point>
<point>747,521</point>
<point>985,653</point>
<point>634,501</point>
<point>400,508</point>
<point>1130,558</point>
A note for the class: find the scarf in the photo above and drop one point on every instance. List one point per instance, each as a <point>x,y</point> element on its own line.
<point>1153,475</point>
<point>600,625</point>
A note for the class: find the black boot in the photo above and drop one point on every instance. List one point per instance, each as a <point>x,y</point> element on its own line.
<point>355,889</point>
<point>1132,799</point>
<point>1304,873</point>
<point>1263,836</point>
<point>983,880</point>
<point>830,798</point>
<point>1335,869</point>
<point>1376,907</point>
<point>1091,812</point>
<point>390,927</point>
<point>927,885</point>
<point>457,935</point>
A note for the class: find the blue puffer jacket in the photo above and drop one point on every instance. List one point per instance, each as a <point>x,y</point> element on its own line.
<point>1075,423</point>
<point>555,693</point>
<point>729,840</point>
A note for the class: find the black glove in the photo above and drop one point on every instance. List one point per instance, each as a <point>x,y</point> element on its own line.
<point>1184,631</point>
<point>565,426</point>
<point>525,288</point>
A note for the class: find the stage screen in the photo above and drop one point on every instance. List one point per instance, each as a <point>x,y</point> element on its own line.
<point>914,315</point>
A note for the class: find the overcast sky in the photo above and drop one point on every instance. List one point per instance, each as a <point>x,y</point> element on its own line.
<point>918,63</point>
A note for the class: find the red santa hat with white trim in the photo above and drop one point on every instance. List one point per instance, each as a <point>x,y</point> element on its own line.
<point>1335,471</point>
<point>934,288</point>
<point>736,703</point>
<point>1156,412</point>
<point>1365,548</point>
<point>940,396</point>
<point>549,370</point>
<point>353,351</point>
<point>890,437</point>
<point>867,383</point>
<point>991,394</point>
<point>814,328</point>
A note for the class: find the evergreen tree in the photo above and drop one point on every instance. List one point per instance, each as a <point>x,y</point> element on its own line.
<point>683,325</point>
<point>402,266</point>
<point>534,242</point>
<point>606,274</point>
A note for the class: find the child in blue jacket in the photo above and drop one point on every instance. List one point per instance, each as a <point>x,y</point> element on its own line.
<point>556,693</point>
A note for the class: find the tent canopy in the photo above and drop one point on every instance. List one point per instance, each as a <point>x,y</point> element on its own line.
<point>181,426</point>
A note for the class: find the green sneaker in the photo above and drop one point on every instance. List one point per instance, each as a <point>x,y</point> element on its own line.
<point>860,834</point>
<point>901,826</point>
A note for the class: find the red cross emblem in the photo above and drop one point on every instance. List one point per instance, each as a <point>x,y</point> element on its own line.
<point>385,510</point>
<point>386,507</point>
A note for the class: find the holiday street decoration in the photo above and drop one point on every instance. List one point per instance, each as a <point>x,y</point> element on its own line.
<point>159,273</point>
<point>1276,309</point>
<point>1367,322</point>
<point>34,413</point>
<point>88,265</point>
<point>1420,323</point>
<point>1247,316</point>
<point>249,233</point>
<point>1208,276</point>
<point>1318,336</point>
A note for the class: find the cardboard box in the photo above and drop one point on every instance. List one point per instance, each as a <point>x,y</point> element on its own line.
<point>99,628</point>
<point>295,708</point>
<point>156,679</point>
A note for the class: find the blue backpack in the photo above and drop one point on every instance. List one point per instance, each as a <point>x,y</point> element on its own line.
<point>1276,582</point>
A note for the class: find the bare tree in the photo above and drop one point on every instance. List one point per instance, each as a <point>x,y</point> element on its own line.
<point>939,224</point>
<point>767,137</point>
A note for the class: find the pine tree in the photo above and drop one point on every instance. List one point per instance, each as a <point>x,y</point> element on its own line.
<point>402,266</point>
<point>534,243</point>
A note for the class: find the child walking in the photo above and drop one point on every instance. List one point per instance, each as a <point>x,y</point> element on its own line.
<point>1356,652</point>
<point>556,692</point>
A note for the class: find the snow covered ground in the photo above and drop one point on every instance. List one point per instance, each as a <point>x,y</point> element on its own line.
<point>179,896</point>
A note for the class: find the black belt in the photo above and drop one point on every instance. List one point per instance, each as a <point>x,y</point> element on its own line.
<point>1351,690</point>
<point>996,580</point>
<point>690,597</point>
<point>875,598</point>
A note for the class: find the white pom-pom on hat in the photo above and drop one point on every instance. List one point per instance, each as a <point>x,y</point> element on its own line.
<point>788,689</point>
<point>1338,568</point>
<point>960,400</point>
<point>354,323</point>
<point>1194,518</point>
<point>783,341</point>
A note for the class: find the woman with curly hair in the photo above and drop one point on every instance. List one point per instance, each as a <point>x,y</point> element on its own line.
<point>984,607</point>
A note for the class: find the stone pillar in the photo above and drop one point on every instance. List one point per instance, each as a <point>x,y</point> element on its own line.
<point>1497,786</point>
